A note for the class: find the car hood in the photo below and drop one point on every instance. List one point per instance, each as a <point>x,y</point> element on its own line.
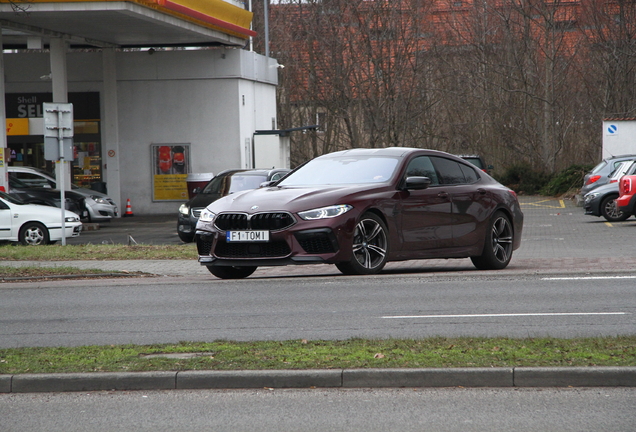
<point>293,199</point>
<point>603,189</point>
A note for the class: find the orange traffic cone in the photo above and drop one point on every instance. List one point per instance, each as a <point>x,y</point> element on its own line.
<point>128,209</point>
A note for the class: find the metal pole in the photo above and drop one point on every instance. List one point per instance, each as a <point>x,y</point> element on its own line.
<point>266,3</point>
<point>251,27</point>
<point>60,181</point>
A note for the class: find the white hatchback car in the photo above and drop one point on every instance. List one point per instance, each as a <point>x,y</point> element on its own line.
<point>100,206</point>
<point>34,224</point>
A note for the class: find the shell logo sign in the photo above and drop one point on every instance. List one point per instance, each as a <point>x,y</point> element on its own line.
<point>18,126</point>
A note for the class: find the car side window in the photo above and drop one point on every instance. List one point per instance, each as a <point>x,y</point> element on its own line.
<point>449,171</point>
<point>470,174</point>
<point>422,167</point>
<point>3,206</point>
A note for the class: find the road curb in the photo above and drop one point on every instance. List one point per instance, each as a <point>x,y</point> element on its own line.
<point>323,378</point>
<point>455,377</point>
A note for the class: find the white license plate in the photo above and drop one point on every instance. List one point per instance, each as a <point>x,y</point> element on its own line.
<point>247,236</point>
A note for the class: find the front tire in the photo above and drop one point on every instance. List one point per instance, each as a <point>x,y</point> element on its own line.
<point>370,247</point>
<point>186,238</point>
<point>498,245</point>
<point>223,272</point>
<point>610,211</point>
<point>34,234</point>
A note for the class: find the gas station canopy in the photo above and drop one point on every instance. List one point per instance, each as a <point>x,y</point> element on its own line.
<point>124,24</point>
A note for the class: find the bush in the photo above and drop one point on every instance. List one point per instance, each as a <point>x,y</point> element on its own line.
<point>522,179</point>
<point>568,180</point>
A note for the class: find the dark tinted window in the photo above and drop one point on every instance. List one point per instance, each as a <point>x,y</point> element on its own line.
<point>449,171</point>
<point>469,173</point>
<point>422,167</point>
<point>225,184</point>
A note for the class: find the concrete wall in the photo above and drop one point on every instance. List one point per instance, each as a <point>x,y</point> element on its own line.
<point>210,99</point>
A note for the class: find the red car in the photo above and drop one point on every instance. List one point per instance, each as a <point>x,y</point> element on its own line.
<point>361,208</point>
<point>626,202</point>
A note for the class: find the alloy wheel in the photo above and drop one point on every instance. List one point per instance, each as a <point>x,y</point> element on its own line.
<point>369,244</point>
<point>502,239</point>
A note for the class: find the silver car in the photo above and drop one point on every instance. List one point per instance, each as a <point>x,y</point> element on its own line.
<point>100,206</point>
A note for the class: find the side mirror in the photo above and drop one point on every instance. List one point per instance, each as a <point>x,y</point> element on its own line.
<point>196,190</point>
<point>267,183</point>
<point>417,183</point>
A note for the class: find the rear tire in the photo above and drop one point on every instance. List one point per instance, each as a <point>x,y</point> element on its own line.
<point>223,272</point>
<point>34,234</point>
<point>370,248</point>
<point>609,210</point>
<point>498,244</point>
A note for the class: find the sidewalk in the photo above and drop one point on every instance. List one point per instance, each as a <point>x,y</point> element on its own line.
<point>435,267</point>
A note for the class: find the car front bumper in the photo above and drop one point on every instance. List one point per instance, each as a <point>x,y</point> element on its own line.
<point>305,242</point>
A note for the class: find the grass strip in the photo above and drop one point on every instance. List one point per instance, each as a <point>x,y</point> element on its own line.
<point>303,354</point>
<point>89,251</point>
<point>8,273</point>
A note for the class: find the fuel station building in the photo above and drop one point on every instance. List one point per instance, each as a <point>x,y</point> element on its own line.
<point>159,88</point>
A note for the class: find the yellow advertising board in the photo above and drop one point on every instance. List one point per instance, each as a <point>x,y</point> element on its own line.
<point>17,126</point>
<point>170,187</point>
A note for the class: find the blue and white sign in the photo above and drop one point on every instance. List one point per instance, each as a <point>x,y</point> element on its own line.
<point>612,129</point>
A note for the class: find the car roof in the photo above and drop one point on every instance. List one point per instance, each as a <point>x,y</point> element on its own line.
<point>626,156</point>
<point>255,171</point>
<point>30,169</point>
<point>385,151</point>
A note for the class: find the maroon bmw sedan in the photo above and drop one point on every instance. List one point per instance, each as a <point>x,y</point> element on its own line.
<point>361,208</point>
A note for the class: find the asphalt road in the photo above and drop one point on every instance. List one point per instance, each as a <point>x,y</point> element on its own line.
<point>168,310</point>
<point>370,410</point>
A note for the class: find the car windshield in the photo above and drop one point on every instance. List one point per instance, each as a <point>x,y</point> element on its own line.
<point>342,170</point>
<point>231,183</point>
<point>9,198</point>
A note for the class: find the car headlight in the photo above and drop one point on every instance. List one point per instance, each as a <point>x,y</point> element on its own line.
<point>99,200</point>
<point>590,196</point>
<point>71,219</point>
<point>206,216</point>
<point>325,212</point>
<point>184,209</point>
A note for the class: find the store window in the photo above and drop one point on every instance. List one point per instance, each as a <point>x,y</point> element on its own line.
<point>25,136</point>
<point>87,164</point>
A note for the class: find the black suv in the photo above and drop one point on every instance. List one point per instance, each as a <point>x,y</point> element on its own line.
<point>225,183</point>
<point>478,162</point>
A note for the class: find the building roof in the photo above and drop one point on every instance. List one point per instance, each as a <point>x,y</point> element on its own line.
<point>132,23</point>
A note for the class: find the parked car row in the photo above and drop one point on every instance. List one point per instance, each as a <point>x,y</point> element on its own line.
<point>99,206</point>
<point>600,200</point>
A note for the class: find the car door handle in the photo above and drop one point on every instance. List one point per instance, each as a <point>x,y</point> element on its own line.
<point>481,191</point>
<point>443,195</point>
